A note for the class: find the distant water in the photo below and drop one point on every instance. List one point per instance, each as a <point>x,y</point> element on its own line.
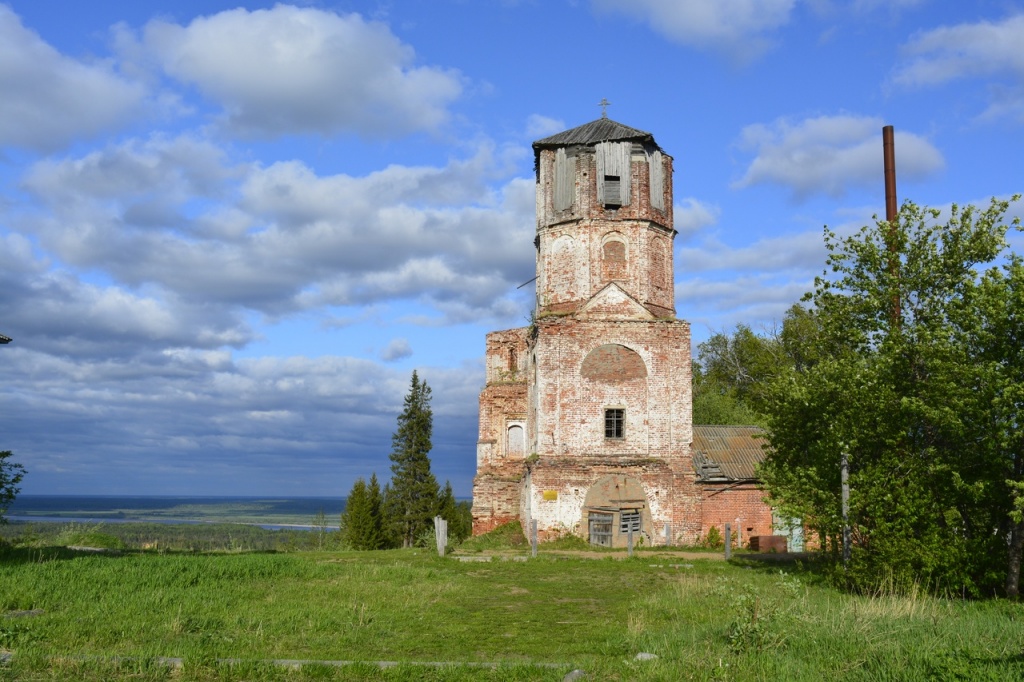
<point>269,512</point>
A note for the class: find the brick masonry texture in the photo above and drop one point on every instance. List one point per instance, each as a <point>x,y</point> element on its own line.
<point>605,338</point>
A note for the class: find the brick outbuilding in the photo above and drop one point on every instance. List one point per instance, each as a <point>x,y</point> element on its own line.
<point>586,416</point>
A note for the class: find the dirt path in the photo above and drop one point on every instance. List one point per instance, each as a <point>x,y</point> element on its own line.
<point>667,555</point>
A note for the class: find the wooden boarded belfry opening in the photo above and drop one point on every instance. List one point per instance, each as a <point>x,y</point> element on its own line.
<point>614,505</point>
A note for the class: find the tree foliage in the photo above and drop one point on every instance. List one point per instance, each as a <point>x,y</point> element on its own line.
<point>361,520</point>
<point>910,362</point>
<point>411,498</point>
<point>11,474</point>
<point>459,515</point>
<point>733,372</point>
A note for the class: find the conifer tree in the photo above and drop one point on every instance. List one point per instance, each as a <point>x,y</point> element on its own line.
<point>375,502</point>
<point>410,499</point>
<point>457,514</point>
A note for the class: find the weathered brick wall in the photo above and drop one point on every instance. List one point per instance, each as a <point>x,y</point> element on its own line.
<point>741,506</point>
<point>571,243</point>
<point>570,408</point>
<point>606,337</point>
<point>497,495</point>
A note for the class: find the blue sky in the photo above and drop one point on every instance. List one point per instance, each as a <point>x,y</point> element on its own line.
<point>229,234</point>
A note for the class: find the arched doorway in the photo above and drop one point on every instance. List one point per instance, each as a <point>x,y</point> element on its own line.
<point>615,506</point>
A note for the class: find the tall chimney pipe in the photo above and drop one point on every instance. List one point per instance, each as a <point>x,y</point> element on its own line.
<point>889,155</point>
<point>891,215</point>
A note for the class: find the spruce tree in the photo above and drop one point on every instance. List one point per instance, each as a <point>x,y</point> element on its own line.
<point>375,502</point>
<point>410,499</point>
<point>354,518</point>
<point>458,514</point>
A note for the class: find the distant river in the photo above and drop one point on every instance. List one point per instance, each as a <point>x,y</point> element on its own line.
<point>266,512</point>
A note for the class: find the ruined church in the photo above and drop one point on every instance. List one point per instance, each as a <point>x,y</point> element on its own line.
<point>586,416</point>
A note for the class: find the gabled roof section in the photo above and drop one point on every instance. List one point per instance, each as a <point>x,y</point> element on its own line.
<point>613,303</point>
<point>601,130</point>
<point>727,454</point>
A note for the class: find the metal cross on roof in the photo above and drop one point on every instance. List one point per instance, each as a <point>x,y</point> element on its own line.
<point>604,107</point>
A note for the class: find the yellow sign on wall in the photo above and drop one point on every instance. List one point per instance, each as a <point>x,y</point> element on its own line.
<point>550,495</point>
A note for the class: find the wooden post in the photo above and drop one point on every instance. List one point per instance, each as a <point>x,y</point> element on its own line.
<point>629,539</point>
<point>440,534</point>
<point>728,542</point>
<point>668,535</point>
<point>533,537</point>
<point>844,476</point>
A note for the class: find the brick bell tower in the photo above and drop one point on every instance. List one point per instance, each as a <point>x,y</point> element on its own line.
<point>586,417</point>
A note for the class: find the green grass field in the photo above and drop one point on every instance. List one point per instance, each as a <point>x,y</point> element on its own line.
<point>75,615</point>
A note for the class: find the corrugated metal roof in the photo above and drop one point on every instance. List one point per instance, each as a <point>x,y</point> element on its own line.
<point>727,453</point>
<point>601,130</point>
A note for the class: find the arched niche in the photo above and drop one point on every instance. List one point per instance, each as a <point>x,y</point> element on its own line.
<point>613,363</point>
<point>561,269</point>
<point>614,257</point>
<point>515,442</point>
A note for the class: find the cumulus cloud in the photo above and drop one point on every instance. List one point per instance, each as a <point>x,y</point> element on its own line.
<point>829,154</point>
<point>201,420</point>
<point>691,215</point>
<point>538,126</point>
<point>982,49</point>
<point>736,27</point>
<point>50,99</point>
<point>177,214</point>
<point>304,70</point>
<point>803,251</point>
<point>397,349</point>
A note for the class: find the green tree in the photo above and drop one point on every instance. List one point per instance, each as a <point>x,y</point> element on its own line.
<point>11,474</point>
<point>893,374</point>
<point>362,516</point>
<point>410,499</point>
<point>459,515</point>
<point>733,372</point>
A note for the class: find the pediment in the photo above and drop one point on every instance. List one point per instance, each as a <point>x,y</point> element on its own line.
<point>613,303</point>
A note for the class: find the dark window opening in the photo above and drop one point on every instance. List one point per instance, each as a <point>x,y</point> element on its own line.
<point>629,521</point>
<point>614,423</point>
<point>612,191</point>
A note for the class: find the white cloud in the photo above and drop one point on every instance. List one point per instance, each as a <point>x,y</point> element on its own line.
<point>964,50</point>
<point>302,70</point>
<point>397,349</point>
<point>736,27</point>
<point>830,154</point>
<point>193,421</point>
<point>691,215</point>
<point>177,214</point>
<point>538,126</point>
<point>983,49</point>
<point>804,251</point>
<point>48,100</point>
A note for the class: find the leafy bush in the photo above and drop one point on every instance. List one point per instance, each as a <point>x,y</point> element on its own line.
<point>506,536</point>
<point>83,535</point>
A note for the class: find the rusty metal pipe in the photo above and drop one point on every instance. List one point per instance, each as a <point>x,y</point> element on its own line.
<point>889,159</point>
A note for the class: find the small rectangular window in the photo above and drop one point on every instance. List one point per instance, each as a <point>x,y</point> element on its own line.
<point>615,423</point>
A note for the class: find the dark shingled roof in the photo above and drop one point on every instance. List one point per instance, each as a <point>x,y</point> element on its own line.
<point>725,454</point>
<point>601,130</point>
